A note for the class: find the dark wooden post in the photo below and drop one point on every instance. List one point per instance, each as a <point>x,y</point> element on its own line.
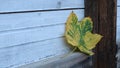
<point>103,13</point>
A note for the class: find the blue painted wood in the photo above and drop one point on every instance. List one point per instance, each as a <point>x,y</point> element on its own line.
<point>118,11</point>
<point>35,33</point>
<point>79,60</point>
<point>118,2</point>
<point>30,37</point>
<point>118,33</point>
<point>32,52</point>
<point>24,5</point>
<point>37,19</point>
<point>118,26</point>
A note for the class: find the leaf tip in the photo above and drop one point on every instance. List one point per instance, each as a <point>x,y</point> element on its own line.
<point>88,18</point>
<point>73,13</point>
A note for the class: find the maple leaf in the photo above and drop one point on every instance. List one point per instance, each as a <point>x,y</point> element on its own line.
<point>79,34</point>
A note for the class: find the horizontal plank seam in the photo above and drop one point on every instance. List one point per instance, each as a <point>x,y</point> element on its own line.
<point>30,11</point>
<point>58,59</point>
<point>118,46</point>
<point>28,28</point>
<point>27,43</point>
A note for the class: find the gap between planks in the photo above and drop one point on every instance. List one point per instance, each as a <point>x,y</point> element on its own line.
<point>31,11</point>
<point>27,43</point>
<point>39,19</point>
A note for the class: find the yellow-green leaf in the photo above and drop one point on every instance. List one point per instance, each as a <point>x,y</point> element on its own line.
<point>72,34</point>
<point>86,25</point>
<point>91,40</point>
<point>78,34</point>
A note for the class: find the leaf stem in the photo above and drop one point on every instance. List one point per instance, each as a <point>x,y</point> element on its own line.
<point>69,53</point>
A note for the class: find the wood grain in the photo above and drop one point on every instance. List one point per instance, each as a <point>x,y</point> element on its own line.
<point>75,60</point>
<point>32,52</point>
<point>118,27</point>
<point>38,19</point>
<point>25,36</point>
<point>23,29</point>
<point>23,5</point>
<point>32,31</point>
<point>118,3</point>
<point>118,11</point>
<point>103,13</point>
<point>118,33</point>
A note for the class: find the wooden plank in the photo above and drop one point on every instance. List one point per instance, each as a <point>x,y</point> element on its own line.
<point>118,35</point>
<point>118,58</point>
<point>29,31</point>
<point>118,2</point>
<point>118,11</point>
<point>105,24</point>
<point>37,19</point>
<point>118,27</point>
<point>118,21</point>
<point>118,31</point>
<point>78,61</point>
<point>20,37</point>
<point>23,5</point>
<point>29,53</point>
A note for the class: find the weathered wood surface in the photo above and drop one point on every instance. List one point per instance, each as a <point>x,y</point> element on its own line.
<point>118,58</point>
<point>118,33</point>
<point>118,3</point>
<point>118,27</point>
<point>38,19</point>
<point>32,52</point>
<point>31,5</point>
<point>26,30</point>
<point>105,24</point>
<point>75,60</point>
<point>118,13</point>
<point>32,31</point>
<point>31,37</point>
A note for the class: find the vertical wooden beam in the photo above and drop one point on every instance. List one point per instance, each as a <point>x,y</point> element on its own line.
<point>103,13</point>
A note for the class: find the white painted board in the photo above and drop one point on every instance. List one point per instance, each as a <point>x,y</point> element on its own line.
<point>29,28</point>
<point>33,52</point>
<point>78,59</point>
<point>37,19</point>
<point>15,38</point>
<point>118,2</point>
<point>118,26</point>
<point>118,11</point>
<point>30,37</point>
<point>25,5</point>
